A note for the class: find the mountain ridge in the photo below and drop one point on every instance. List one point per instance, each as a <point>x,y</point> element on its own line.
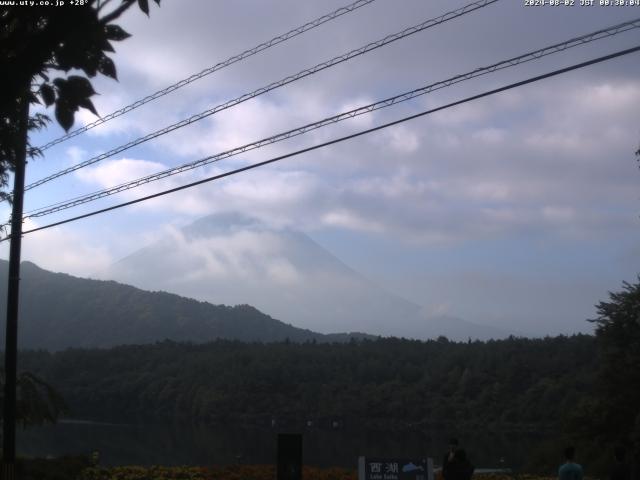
<point>59,311</point>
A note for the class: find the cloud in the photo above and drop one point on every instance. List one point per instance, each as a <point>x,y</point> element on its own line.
<point>468,113</point>
<point>279,271</point>
<point>63,250</point>
<point>278,197</point>
<point>489,135</point>
<point>551,161</point>
<point>76,154</point>
<point>245,255</point>
<point>612,99</point>
<point>483,184</point>
<point>111,100</point>
<point>403,139</point>
<point>114,172</point>
<point>351,220</point>
<point>559,214</point>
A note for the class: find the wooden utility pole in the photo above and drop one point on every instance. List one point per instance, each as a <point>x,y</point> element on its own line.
<point>13,291</point>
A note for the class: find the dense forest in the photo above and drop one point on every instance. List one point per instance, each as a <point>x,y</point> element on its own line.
<point>580,389</point>
<point>513,384</point>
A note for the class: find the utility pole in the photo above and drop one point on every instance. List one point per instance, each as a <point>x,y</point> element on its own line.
<point>13,290</point>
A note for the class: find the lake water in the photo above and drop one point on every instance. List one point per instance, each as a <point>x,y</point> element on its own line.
<point>185,444</point>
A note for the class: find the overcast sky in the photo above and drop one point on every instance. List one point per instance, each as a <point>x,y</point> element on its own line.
<point>519,209</point>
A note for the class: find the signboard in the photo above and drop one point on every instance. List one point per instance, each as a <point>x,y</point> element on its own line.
<point>395,469</point>
<point>289,456</point>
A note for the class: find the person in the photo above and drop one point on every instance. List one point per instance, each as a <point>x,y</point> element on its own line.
<point>570,470</point>
<point>460,468</point>
<point>448,457</point>
<point>620,469</point>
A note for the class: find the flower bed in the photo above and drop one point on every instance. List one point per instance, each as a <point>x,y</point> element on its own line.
<point>245,472</point>
<point>234,472</point>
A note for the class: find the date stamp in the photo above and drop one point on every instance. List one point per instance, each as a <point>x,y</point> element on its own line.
<point>582,3</point>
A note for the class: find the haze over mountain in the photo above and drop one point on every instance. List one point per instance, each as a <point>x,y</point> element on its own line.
<point>58,311</point>
<point>233,259</point>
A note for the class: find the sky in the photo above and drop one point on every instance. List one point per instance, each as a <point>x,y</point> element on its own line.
<point>518,210</point>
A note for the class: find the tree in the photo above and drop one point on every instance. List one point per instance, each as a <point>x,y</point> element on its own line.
<point>618,395</point>
<point>39,47</point>
<point>38,402</point>
<point>36,44</point>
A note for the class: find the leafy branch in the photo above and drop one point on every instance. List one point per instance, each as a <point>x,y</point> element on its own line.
<point>40,47</point>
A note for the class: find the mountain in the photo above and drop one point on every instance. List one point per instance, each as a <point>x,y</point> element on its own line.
<point>59,311</point>
<point>233,259</point>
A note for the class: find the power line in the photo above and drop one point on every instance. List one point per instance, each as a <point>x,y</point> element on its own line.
<point>340,139</point>
<point>208,71</point>
<point>272,86</point>
<point>534,55</point>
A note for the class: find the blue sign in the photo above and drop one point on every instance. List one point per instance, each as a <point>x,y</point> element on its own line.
<point>394,469</point>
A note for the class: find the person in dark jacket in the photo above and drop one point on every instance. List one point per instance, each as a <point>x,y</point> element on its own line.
<point>460,468</point>
<point>620,469</point>
<point>448,457</point>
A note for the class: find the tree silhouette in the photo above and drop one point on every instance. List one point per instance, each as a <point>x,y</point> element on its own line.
<point>39,47</point>
<point>37,401</point>
<point>618,335</point>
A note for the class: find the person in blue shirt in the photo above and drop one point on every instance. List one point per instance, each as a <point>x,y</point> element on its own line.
<point>570,470</point>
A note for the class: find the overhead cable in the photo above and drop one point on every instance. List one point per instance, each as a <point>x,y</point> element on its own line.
<point>208,71</point>
<point>534,55</point>
<point>338,140</point>
<point>272,86</point>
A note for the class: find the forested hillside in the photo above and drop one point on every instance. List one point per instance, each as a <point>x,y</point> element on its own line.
<point>391,383</point>
<point>59,311</point>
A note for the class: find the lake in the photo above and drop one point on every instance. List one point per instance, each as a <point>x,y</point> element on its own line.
<point>186,444</point>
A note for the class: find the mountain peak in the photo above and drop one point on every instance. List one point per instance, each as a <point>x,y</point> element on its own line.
<point>235,259</point>
<point>219,223</point>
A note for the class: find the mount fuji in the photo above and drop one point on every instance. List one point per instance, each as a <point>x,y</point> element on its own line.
<point>232,259</point>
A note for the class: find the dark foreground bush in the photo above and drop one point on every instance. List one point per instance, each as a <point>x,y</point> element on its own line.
<point>63,468</point>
